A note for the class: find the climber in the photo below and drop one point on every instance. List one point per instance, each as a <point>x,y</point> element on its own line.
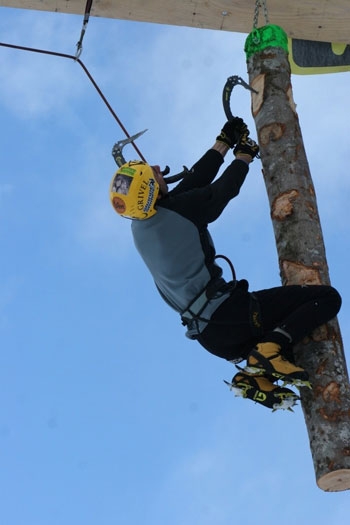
<point>170,231</point>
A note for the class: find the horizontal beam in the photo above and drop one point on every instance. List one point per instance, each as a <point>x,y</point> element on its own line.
<point>318,20</point>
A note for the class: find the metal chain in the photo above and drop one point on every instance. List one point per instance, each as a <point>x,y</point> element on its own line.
<point>258,4</point>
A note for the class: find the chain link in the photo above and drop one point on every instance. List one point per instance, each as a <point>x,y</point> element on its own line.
<point>258,4</point>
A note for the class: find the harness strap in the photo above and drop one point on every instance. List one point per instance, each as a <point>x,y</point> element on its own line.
<point>195,308</point>
<point>211,291</point>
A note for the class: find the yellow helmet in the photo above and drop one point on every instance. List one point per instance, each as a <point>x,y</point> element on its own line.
<point>134,190</point>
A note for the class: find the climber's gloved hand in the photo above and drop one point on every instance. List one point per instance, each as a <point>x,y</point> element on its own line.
<point>232,132</point>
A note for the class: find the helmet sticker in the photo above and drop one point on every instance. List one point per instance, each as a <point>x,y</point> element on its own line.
<point>119,205</point>
<point>121,184</point>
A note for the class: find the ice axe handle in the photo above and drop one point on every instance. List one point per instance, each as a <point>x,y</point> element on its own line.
<point>178,176</point>
<point>118,156</point>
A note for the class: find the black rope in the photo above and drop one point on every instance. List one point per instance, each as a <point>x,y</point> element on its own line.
<point>64,55</point>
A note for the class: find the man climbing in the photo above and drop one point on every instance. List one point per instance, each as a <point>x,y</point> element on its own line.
<point>170,231</point>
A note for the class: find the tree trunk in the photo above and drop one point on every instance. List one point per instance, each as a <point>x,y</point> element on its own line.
<point>302,259</point>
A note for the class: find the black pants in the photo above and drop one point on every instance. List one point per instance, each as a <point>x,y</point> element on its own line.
<point>236,326</point>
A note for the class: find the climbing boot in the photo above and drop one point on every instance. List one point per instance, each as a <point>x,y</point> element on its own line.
<point>266,359</point>
<point>262,391</point>
<point>246,146</point>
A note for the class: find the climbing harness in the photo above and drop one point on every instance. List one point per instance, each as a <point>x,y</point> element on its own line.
<point>193,311</point>
<point>212,290</point>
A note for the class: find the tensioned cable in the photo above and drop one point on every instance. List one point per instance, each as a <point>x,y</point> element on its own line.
<point>83,29</point>
<point>64,55</point>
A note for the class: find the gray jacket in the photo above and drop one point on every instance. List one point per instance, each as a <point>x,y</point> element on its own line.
<point>176,245</point>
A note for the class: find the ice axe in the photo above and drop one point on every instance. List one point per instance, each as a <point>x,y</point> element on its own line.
<point>118,148</point>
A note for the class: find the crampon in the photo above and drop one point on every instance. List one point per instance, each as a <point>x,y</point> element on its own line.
<point>262,391</point>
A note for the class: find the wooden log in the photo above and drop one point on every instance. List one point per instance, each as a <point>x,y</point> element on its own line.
<point>302,258</point>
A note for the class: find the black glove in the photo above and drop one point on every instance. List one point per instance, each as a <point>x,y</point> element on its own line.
<point>232,132</point>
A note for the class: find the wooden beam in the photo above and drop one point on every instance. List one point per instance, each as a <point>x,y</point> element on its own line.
<point>318,20</point>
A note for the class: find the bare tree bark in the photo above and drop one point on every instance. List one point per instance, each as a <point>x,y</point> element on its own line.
<point>302,260</point>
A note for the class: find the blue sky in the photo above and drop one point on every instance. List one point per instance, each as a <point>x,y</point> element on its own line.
<point>108,414</point>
